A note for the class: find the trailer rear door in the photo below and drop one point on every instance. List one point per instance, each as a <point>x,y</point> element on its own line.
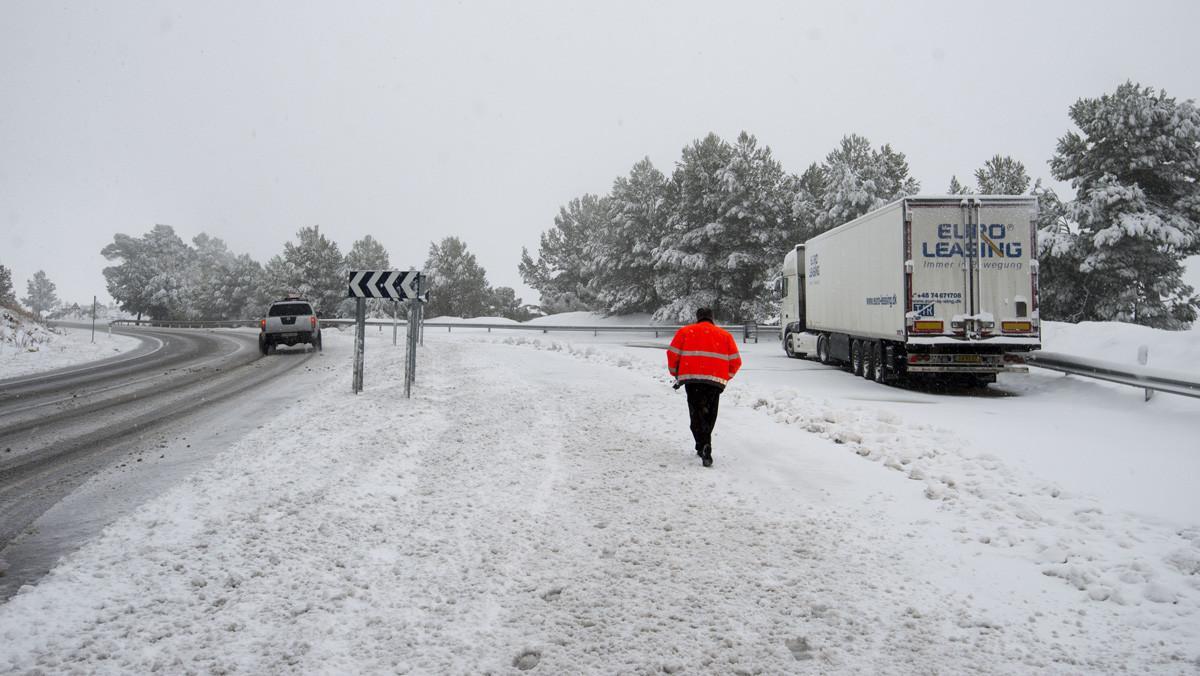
<point>939,288</point>
<point>972,274</point>
<point>1003,270</point>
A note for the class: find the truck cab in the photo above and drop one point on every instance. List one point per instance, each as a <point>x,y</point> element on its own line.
<point>793,328</point>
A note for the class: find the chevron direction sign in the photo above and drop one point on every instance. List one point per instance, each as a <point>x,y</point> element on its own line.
<point>394,284</point>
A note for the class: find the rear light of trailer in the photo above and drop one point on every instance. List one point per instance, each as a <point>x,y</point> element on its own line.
<point>1016,327</point>
<point>917,358</point>
<point>1010,358</point>
<point>927,326</point>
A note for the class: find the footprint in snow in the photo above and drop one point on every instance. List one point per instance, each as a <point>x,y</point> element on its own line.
<point>799,648</point>
<point>527,660</point>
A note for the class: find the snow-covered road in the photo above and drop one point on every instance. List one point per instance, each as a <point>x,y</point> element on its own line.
<point>537,506</point>
<point>29,348</point>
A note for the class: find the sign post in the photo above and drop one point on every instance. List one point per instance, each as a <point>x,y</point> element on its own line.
<point>396,285</point>
<point>360,329</point>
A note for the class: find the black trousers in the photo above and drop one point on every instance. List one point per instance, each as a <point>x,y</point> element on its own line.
<point>702,401</point>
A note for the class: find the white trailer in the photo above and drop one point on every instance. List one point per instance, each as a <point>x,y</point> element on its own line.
<point>925,285</point>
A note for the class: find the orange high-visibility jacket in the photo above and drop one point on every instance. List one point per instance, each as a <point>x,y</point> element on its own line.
<point>703,352</point>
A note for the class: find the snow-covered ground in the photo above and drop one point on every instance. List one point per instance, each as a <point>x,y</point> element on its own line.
<point>537,506</point>
<point>29,347</point>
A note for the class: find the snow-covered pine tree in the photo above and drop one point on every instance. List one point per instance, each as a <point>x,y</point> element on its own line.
<point>169,263</point>
<point>957,188</point>
<point>687,258</point>
<point>315,269</point>
<point>851,185</point>
<point>1135,167</point>
<point>808,194</point>
<point>732,222</point>
<point>893,170</point>
<point>8,297</point>
<point>128,281</point>
<point>620,264</point>
<point>368,254</point>
<point>558,273</point>
<point>247,288</point>
<point>756,210</point>
<point>41,297</point>
<point>279,277</point>
<point>1064,290</point>
<point>1002,175</point>
<point>457,284</point>
<point>210,296</point>
<point>504,302</point>
<point>860,179</point>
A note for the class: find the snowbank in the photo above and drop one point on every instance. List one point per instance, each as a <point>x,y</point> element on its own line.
<point>20,332</point>
<point>28,346</point>
<point>1118,342</point>
<point>591,319</point>
<point>471,320</point>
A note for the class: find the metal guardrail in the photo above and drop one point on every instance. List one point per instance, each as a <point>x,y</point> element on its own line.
<point>181,324</point>
<point>1125,374</point>
<point>747,331</point>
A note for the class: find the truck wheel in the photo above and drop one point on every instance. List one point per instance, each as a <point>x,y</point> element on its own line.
<point>856,357</point>
<point>868,359</point>
<point>880,362</point>
<point>318,343</point>
<point>262,345</point>
<point>823,349</point>
<point>787,345</point>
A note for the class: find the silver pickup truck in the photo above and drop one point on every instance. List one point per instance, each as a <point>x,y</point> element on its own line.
<point>290,321</point>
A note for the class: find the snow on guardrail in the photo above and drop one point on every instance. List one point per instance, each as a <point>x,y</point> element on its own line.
<point>747,331</point>
<point>1125,374</point>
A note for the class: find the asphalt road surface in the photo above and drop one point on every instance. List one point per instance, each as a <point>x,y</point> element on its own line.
<point>58,429</point>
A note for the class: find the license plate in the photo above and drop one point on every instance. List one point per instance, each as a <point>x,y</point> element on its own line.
<point>968,358</point>
<point>288,335</point>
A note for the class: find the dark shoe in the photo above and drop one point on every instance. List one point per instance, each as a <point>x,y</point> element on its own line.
<point>706,455</point>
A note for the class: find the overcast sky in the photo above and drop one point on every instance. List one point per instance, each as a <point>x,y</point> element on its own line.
<point>415,121</point>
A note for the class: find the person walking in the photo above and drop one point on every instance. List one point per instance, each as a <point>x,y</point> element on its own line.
<point>703,357</point>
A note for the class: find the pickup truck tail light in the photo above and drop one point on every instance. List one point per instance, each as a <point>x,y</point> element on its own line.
<point>262,325</point>
<point>312,322</point>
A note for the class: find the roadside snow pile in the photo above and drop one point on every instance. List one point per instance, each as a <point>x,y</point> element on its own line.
<point>20,332</point>
<point>28,346</point>
<point>591,319</point>
<point>1119,343</point>
<point>471,320</point>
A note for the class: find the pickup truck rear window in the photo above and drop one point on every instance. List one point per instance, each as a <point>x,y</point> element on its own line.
<point>289,309</point>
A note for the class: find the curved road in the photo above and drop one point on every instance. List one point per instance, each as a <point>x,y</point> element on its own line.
<point>59,428</point>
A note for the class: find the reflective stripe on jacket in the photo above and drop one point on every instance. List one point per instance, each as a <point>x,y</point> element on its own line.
<point>703,352</point>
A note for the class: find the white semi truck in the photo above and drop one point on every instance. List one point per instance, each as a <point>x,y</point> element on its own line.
<point>943,286</point>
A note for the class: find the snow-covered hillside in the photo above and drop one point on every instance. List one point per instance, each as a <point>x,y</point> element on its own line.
<point>537,507</point>
<point>28,346</point>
